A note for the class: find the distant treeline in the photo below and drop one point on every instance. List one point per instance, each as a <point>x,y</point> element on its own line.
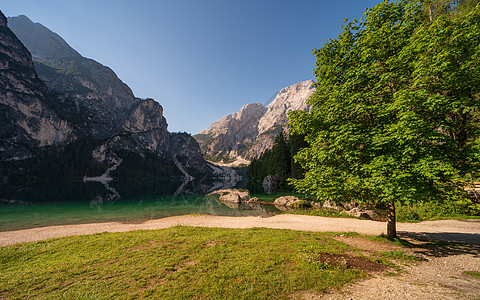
<point>277,161</point>
<point>69,162</point>
<point>73,161</point>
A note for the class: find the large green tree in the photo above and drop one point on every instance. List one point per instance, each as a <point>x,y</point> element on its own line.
<point>394,110</point>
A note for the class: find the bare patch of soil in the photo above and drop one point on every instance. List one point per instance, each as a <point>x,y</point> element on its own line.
<point>210,244</point>
<point>350,262</point>
<point>184,264</point>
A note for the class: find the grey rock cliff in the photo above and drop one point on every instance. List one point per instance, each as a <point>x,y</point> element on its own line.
<point>187,152</point>
<point>275,118</point>
<point>232,135</point>
<point>252,130</point>
<point>26,117</point>
<point>144,128</point>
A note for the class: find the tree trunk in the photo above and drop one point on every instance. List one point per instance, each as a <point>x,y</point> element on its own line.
<point>391,220</point>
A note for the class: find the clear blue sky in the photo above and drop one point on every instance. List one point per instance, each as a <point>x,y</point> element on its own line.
<point>200,59</point>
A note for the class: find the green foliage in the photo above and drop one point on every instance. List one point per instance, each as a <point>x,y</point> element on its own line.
<point>401,255</point>
<point>176,263</point>
<point>432,210</point>
<point>469,206</point>
<point>474,274</point>
<point>301,204</point>
<point>323,212</point>
<point>414,212</point>
<point>450,8</point>
<point>278,161</point>
<point>272,197</point>
<point>394,111</point>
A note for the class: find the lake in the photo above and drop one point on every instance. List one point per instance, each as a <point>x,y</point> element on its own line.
<point>61,203</point>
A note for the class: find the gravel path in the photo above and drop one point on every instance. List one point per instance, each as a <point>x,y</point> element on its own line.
<point>440,276</point>
<point>450,230</point>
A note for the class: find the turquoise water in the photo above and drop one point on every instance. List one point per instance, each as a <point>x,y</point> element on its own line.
<point>75,203</point>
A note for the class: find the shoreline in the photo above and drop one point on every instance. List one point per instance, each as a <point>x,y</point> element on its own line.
<point>464,231</point>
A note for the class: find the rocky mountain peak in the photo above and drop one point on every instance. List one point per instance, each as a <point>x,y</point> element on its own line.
<point>91,92</point>
<point>290,98</point>
<point>247,133</point>
<point>231,135</point>
<point>244,117</point>
<point>40,40</point>
<point>249,109</point>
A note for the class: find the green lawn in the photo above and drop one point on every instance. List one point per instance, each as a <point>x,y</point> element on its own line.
<point>184,263</point>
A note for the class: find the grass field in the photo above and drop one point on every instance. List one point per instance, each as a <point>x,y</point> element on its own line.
<point>188,262</point>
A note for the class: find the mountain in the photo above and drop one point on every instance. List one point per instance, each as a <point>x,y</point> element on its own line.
<point>233,135</point>
<point>27,119</point>
<point>64,115</point>
<point>246,134</point>
<point>38,38</point>
<point>96,101</point>
<point>275,119</point>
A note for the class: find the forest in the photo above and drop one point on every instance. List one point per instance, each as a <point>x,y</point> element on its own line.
<point>278,161</point>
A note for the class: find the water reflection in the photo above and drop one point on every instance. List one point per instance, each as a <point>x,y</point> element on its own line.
<point>56,203</point>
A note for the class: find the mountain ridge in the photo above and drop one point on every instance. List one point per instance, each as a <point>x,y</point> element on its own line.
<point>98,113</point>
<point>233,139</point>
<point>34,38</point>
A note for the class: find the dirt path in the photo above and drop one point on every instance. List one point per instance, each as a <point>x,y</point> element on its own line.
<point>440,276</point>
<point>448,230</point>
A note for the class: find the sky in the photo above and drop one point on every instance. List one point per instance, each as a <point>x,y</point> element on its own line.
<point>200,59</point>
